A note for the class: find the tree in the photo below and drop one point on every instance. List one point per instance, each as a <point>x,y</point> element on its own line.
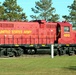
<point>1,11</point>
<point>12,11</point>
<point>44,10</point>
<point>72,15</point>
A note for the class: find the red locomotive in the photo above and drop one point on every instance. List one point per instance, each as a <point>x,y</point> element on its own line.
<point>17,38</point>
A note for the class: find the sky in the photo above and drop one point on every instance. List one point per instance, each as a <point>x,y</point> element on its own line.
<point>59,5</point>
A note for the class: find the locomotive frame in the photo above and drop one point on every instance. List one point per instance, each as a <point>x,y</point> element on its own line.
<point>17,38</point>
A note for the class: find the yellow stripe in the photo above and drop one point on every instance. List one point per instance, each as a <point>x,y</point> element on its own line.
<point>31,45</point>
<point>43,45</point>
<point>16,45</point>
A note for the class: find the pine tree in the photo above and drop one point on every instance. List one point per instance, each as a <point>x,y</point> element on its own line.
<point>12,11</point>
<point>44,10</point>
<point>1,11</point>
<point>72,15</point>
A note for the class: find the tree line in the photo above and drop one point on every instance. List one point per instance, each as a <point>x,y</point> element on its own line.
<point>10,10</point>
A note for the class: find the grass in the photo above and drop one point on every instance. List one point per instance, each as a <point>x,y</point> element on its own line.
<point>39,65</point>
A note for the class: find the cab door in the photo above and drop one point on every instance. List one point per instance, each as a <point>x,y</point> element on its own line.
<point>58,34</point>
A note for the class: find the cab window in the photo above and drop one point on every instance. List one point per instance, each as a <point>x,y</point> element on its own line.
<point>66,29</point>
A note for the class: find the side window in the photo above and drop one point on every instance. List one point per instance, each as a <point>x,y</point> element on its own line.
<point>66,29</point>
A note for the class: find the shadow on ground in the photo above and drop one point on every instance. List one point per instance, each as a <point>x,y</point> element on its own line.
<point>71,68</point>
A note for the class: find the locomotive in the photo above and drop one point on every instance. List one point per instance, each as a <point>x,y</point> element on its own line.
<point>17,38</point>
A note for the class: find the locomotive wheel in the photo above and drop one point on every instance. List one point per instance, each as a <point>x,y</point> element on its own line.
<point>14,52</point>
<point>19,51</point>
<point>71,53</point>
<point>75,52</point>
<point>3,52</point>
<point>61,51</point>
<point>31,51</point>
<point>10,54</point>
<point>55,52</point>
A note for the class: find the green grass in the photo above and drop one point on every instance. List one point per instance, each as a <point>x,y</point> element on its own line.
<point>40,65</point>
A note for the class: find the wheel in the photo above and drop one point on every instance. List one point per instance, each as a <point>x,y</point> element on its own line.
<point>71,53</point>
<point>55,52</point>
<point>19,51</point>
<point>31,51</point>
<point>3,52</point>
<point>10,54</point>
<point>59,52</point>
<point>14,52</point>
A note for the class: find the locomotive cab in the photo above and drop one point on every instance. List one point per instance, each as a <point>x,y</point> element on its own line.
<point>65,36</point>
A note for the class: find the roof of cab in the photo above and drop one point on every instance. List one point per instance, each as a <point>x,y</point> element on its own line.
<point>64,23</point>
